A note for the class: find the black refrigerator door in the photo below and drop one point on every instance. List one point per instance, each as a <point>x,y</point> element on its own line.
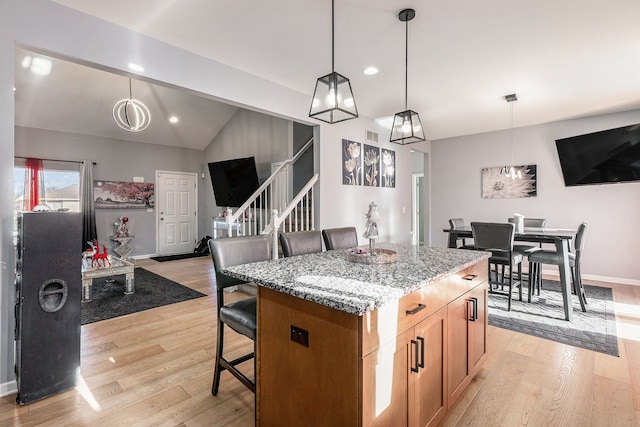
<point>48,303</point>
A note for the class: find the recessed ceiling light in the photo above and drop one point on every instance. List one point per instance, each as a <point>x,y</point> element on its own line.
<point>370,71</point>
<point>136,67</point>
<point>173,119</point>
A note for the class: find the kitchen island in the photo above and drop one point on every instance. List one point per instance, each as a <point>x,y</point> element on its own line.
<point>354,344</point>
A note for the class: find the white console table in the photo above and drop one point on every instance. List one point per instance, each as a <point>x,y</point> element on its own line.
<point>220,223</point>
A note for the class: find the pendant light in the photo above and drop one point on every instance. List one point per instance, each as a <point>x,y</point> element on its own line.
<point>333,99</point>
<point>131,114</point>
<point>511,171</point>
<point>407,127</point>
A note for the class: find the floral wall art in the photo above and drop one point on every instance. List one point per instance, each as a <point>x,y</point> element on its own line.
<point>388,168</point>
<point>521,181</point>
<point>371,166</point>
<point>123,195</point>
<point>351,162</point>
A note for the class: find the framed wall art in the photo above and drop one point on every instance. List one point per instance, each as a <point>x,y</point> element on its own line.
<point>351,162</point>
<point>371,158</point>
<point>388,168</point>
<point>123,195</point>
<point>509,182</point>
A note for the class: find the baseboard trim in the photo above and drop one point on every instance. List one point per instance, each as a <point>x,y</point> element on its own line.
<point>8,388</point>
<point>596,278</point>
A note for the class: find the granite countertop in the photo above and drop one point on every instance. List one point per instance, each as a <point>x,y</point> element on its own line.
<point>327,278</point>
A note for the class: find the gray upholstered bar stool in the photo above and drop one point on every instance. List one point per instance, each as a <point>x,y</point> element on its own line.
<point>340,238</point>
<point>239,315</point>
<point>553,258</point>
<point>497,238</point>
<point>457,223</point>
<point>300,242</point>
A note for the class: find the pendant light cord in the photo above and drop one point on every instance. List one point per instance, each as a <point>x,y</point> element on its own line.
<point>130,93</point>
<point>406,61</point>
<point>333,49</point>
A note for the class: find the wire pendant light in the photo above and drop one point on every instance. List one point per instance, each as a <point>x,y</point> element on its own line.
<point>511,171</point>
<point>131,114</point>
<point>333,99</point>
<point>407,127</point>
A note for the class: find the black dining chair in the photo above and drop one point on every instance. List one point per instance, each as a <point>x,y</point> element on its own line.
<point>525,250</point>
<point>497,238</point>
<point>457,223</point>
<point>554,258</point>
<point>239,315</point>
<point>300,242</point>
<point>340,238</point>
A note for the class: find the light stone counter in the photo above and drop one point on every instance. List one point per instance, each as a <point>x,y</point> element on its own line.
<point>327,278</point>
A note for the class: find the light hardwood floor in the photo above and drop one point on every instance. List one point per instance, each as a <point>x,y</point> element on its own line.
<point>155,368</point>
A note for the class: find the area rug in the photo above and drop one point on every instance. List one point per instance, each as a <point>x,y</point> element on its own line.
<point>151,290</point>
<point>544,317</point>
<point>176,257</point>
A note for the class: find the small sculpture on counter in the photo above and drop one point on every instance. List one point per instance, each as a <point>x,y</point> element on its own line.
<point>371,227</point>
<point>100,256</point>
<point>121,227</point>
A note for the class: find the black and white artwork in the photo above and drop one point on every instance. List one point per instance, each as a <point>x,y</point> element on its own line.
<point>388,168</point>
<point>509,182</point>
<point>351,162</point>
<point>371,158</point>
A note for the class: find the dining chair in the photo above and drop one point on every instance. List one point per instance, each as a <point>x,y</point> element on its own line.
<point>525,250</point>
<point>497,238</point>
<point>300,242</point>
<point>340,238</point>
<point>239,315</point>
<point>554,258</point>
<point>457,223</point>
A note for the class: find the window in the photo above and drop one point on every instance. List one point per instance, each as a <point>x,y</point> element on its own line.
<point>61,185</point>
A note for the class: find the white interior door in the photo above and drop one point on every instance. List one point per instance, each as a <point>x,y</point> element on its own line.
<point>177,212</point>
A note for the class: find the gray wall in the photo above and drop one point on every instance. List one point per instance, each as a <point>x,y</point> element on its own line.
<point>116,160</point>
<point>611,210</point>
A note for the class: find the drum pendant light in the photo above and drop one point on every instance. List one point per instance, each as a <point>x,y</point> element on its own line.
<point>407,127</point>
<point>333,99</point>
<point>131,114</point>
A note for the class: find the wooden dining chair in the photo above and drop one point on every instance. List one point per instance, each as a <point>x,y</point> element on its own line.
<point>497,238</point>
<point>554,258</point>
<point>300,242</point>
<point>340,238</point>
<point>240,315</point>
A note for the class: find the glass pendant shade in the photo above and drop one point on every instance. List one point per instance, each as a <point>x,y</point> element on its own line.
<point>407,128</point>
<point>333,99</point>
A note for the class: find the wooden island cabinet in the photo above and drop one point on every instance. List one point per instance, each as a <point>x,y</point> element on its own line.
<point>403,363</point>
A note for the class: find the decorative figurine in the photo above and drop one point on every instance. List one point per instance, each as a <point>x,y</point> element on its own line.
<point>100,254</point>
<point>371,228</point>
<point>121,227</point>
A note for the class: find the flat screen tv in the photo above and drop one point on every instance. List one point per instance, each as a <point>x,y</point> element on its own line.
<point>608,156</point>
<point>234,181</point>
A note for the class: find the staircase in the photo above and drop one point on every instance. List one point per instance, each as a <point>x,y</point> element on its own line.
<point>269,209</point>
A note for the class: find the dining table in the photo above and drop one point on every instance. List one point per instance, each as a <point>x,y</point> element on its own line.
<point>560,237</point>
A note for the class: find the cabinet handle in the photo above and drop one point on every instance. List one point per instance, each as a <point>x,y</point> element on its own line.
<point>473,310</point>
<point>421,363</point>
<point>414,344</point>
<point>469,277</point>
<point>420,307</point>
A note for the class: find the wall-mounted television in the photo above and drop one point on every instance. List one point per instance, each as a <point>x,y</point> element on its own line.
<point>233,181</point>
<point>608,156</point>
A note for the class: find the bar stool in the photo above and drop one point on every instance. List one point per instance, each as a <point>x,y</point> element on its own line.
<point>300,242</point>
<point>340,238</point>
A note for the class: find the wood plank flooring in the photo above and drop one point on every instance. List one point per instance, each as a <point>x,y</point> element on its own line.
<point>154,368</point>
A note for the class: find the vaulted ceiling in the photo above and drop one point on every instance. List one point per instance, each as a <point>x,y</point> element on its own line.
<point>563,58</point>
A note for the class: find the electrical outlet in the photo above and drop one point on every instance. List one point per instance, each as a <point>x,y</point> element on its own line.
<point>300,336</point>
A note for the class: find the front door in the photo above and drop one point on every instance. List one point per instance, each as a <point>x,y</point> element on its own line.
<point>177,212</point>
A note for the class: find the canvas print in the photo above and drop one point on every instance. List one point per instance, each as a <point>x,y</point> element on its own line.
<point>123,195</point>
<point>371,166</point>
<point>509,182</point>
<point>388,168</point>
<point>351,163</point>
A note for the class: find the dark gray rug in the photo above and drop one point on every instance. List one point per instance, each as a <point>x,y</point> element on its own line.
<point>544,317</point>
<point>151,290</point>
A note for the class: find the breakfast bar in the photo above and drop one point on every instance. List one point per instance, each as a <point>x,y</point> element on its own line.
<point>357,344</point>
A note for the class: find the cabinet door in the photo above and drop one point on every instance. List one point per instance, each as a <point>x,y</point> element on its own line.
<point>478,329</point>
<point>385,383</point>
<point>430,395</point>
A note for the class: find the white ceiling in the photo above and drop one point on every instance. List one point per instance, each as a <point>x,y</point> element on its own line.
<point>563,58</point>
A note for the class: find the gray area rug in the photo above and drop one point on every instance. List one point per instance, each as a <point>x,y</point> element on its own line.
<point>544,317</point>
<point>151,290</point>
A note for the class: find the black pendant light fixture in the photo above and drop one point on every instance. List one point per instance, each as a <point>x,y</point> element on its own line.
<point>407,127</point>
<point>333,99</point>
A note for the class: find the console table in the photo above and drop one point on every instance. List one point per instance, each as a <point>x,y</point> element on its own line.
<point>118,266</point>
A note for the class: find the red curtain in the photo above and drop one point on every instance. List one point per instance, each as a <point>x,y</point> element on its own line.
<point>33,183</point>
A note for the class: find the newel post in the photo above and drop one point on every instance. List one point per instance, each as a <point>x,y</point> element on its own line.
<point>229,222</point>
<point>275,226</point>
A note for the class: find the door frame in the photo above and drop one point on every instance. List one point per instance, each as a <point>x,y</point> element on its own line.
<point>157,191</point>
<point>415,222</point>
